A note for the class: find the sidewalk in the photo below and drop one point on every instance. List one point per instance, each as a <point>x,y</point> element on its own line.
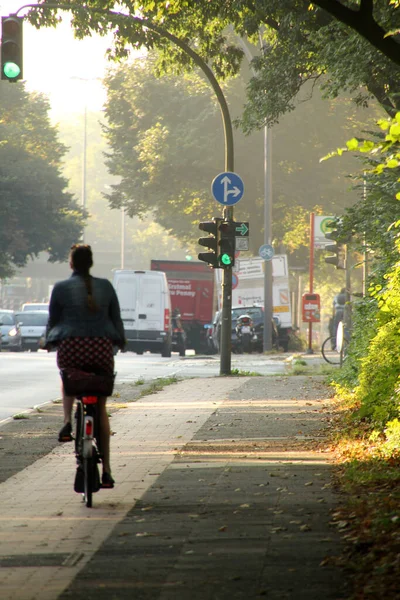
<point>222,493</point>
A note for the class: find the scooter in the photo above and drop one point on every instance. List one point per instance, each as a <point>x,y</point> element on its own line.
<point>245,333</point>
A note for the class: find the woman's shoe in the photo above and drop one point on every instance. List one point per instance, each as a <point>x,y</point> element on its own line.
<point>107,482</point>
<point>65,434</point>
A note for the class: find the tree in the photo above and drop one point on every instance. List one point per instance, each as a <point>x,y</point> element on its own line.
<point>166,146</point>
<point>350,43</point>
<point>370,220</point>
<point>143,238</point>
<point>36,213</point>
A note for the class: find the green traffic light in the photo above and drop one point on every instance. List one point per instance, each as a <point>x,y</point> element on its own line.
<point>11,70</point>
<point>226,259</point>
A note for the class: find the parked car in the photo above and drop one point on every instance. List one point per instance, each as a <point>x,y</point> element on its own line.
<point>10,332</point>
<point>256,313</point>
<point>35,306</point>
<point>33,326</point>
<point>257,316</point>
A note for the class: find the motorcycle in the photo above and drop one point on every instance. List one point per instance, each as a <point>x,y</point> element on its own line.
<point>245,333</point>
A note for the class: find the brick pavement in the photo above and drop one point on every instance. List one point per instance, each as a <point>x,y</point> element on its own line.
<point>43,523</point>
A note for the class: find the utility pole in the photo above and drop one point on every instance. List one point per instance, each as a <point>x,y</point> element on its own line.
<point>268,308</point>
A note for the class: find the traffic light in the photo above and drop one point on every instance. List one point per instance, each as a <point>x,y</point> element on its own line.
<point>211,242</point>
<point>226,244</point>
<point>11,48</point>
<point>339,250</point>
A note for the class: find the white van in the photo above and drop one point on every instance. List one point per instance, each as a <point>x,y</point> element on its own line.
<point>145,309</point>
<point>35,306</point>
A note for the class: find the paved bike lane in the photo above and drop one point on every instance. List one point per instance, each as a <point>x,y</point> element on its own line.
<point>220,494</point>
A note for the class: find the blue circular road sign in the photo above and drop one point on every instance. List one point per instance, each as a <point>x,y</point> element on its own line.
<point>227,188</point>
<point>266,251</point>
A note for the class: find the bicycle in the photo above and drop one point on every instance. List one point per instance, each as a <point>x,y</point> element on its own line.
<point>336,343</point>
<point>87,387</point>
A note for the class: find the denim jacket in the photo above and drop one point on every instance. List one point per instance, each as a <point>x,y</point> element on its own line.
<point>69,315</point>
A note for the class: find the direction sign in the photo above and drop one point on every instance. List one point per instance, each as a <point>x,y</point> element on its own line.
<point>266,251</point>
<point>242,228</point>
<point>227,188</point>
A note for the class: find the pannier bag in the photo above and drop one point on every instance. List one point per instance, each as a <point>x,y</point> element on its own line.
<point>81,383</point>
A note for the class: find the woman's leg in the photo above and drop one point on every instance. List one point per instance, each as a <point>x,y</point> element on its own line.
<point>104,434</point>
<point>68,403</point>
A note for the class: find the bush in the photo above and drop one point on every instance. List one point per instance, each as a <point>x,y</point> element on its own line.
<point>379,376</point>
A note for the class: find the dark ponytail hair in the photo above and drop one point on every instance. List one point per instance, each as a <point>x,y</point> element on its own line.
<point>81,259</point>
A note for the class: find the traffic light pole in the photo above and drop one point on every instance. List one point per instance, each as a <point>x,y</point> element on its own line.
<point>226,320</point>
<point>226,324</point>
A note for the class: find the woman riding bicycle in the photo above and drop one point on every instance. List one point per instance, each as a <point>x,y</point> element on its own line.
<point>85,323</point>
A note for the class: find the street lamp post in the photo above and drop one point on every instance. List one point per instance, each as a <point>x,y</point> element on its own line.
<point>84,164</point>
<point>84,150</point>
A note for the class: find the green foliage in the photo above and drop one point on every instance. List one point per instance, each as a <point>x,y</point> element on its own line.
<point>169,130</point>
<point>242,373</point>
<point>144,239</point>
<point>379,375</point>
<point>36,213</point>
<point>391,445</point>
<point>369,220</point>
<point>157,385</point>
<point>364,329</point>
<point>301,42</point>
<point>374,362</point>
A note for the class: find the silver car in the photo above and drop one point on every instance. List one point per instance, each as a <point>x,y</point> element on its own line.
<point>33,326</point>
<point>10,331</point>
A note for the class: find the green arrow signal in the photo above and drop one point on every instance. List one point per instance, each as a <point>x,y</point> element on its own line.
<point>243,229</point>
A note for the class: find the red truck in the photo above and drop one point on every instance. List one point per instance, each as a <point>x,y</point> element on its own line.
<point>191,285</point>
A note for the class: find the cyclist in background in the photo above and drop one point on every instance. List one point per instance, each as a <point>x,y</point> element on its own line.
<point>84,324</point>
<point>339,302</point>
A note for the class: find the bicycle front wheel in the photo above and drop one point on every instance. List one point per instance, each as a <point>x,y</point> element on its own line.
<point>331,356</point>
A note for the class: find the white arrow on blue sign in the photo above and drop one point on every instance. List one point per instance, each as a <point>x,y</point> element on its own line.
<point>227,188</point>
<point>266,251</point>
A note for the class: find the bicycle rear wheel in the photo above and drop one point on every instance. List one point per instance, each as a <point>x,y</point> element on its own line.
<point>333,358</point>
<point>88,469</point>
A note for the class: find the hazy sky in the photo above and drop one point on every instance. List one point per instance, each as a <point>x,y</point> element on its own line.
<point>53,58</point>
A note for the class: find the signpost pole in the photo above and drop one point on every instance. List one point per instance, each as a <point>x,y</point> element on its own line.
<point>268,309</point>
<point>227,189</point>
